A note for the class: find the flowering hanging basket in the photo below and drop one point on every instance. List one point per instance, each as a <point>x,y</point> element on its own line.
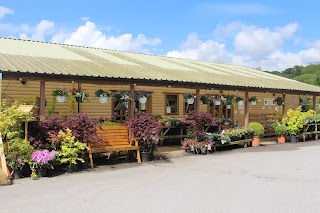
<point>102,95</point>
<point>60,94</point>
<point>79,94</point>
<point>121,96</point>
<point>143,100</point>
<point>190,100</point>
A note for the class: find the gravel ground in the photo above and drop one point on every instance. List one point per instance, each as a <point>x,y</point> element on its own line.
<point>273,178</point>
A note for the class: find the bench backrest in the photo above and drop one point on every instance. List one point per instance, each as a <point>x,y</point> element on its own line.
<point>113,135</point>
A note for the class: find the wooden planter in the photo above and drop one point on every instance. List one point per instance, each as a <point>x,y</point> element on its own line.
<point>255,141</point>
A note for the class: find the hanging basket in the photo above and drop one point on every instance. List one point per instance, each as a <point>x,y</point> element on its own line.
<point>142,100</point>
<point>60,99</point>
<point>253,102</point>
<point>190,100</point>
<point>205,101</point>
<point>103,100</point>
<point>240,103</point>
<point>217,102</point>
<point>79,99</point>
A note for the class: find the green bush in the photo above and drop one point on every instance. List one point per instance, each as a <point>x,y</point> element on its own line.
<point>109,123</point>
<point>258,129</point>
<point>281,130</point>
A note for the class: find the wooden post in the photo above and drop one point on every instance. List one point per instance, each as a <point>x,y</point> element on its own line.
<point>246,110</point>
<point>3,165</point>
<point>42,100</point>
<point>284,109</point>
<point>131,112</point>
<point>314,103</point>
<point>197,100</point>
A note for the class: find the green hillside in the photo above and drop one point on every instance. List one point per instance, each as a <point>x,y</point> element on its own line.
<point>309,74</point>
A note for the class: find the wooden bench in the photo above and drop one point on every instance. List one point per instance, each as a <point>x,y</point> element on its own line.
<point>113,139</point>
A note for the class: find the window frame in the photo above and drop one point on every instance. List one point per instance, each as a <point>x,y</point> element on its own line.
<point>166,101</point>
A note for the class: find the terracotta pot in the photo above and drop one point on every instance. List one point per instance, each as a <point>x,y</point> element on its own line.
<point>281,139</point>
<point>255,141</point>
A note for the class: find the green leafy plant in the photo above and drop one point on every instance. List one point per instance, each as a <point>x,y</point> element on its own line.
<point>121,96</point>
<point>229,100</point>
<point>295,119</point>
<point>110,123</point>
<point>60,92</point>
<point>80,93</point>
<point>206,98</point>
<point>253,98</point>
<point>239,98</point>
<point>70,148</point>
<point>257,128</point>
<point>279,101</point>
<point>189,95</point>
<point>141,94</point>
<point>102,93</point>
<point>281,130</point>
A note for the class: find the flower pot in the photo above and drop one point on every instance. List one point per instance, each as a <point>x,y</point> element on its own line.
<point>145,156</point>
<point>60,99</point>
<point>217,102</point>
<point>253,102</point>
<point>70,168</point>
<point>256,141</point>
<point>103,100</point>
<point>42,172</point>
<point>293,139</point>
<point>190,100</point>
<point>240,103</point>
<point>85,164</point>
<point>17,174</point>
<point>228,106</point>
<point>281,139</point>
<point>142,100</point>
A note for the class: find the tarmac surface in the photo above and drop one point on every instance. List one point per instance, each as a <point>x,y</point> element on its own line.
<point>272,178</point>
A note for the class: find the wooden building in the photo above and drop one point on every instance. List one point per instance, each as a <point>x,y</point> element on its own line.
<point>35,69</point>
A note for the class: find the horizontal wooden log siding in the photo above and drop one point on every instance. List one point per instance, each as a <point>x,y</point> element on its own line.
<point>12,90</point>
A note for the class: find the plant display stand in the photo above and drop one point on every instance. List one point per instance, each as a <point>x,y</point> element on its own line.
<point>311,130</point>
<point>243,143</point>
<point>173,132</point>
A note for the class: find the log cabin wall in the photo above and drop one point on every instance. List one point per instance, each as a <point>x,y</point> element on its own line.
<point>13,90</point>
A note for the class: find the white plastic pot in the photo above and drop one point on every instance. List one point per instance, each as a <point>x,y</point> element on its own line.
<point>60,99</point>
<point>217,102</point>
<point>142,100</point>
<point>103,100</point>
<point>240,103</point>
<point>190,100</point>
<point>253,102</point>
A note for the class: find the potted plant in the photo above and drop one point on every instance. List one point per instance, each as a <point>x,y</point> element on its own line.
<point>146,128</point>
<point>60,94</point>
<point>229,99</point>
<point>240,101</point>
<point>80,94</point>
<point>18,153</point>
<point>40,161</point>
<point>253,100</point>
<point>279,101</point>
<point>189,98</point>
<point>142,96</point>
<point>217,99</point>
<point>70,149</point>
<point>121,96</point>
<point>206,99</point>
<point>295,120</point>
<point>102,95</point>
<point>258,131</point>
<point>281,132</point>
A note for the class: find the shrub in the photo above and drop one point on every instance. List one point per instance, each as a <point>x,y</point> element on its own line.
<point>258,129</point>
<point>147,129</point>
<point>281,130</point>
<point>110,123</point>
<point>295,120</point>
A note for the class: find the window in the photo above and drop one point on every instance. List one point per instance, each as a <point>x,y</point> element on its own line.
<point>172,104</point>
<point>143,108</point>
<point>221,111</point>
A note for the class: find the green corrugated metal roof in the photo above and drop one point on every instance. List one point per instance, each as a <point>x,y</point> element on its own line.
<point>50,58</point>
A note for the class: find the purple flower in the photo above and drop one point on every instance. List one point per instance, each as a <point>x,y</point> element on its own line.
<point>42,157</point>
<point>20,161</point>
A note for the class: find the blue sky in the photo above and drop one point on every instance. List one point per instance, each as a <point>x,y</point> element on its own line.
<point>271,35</point>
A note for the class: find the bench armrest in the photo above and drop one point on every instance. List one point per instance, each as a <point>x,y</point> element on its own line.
<point>133,141</point>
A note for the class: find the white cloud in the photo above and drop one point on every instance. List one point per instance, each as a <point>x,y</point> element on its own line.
<point>252,47</point>
<point>39,32</point>
<point>5,11</point>
<point>90,35</point>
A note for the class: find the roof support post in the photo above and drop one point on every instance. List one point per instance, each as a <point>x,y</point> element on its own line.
<point>246,110</point>
<point>284,109</point>
<point>42,100</point>
<point>197,100</point>
<point>314,103</point>
<point>131,112</point>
